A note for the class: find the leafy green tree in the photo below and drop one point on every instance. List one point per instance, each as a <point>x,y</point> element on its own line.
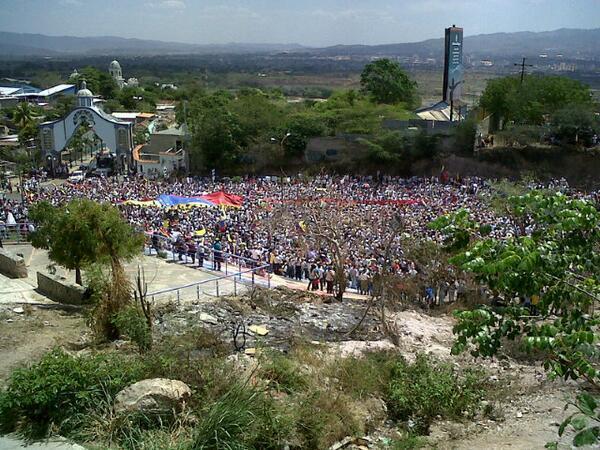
<point>99,82</point>
<point>23,114</point>
<point>216,132</point>
<point>63,106</point>
<point>28,134</point>
<point>575,124</point>
<point>529,103</point>
<point>386,82</point>
<point>258,116</point>
<point>300,128</point>
<point>553,261</point>
<point>81,233</point>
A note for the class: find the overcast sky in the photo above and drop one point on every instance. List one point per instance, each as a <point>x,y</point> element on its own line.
<point>308,22</point>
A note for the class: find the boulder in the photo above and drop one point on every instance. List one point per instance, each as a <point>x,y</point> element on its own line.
<point>156,395</point>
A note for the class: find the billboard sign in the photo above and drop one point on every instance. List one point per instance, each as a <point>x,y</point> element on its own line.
<point>453,63</point>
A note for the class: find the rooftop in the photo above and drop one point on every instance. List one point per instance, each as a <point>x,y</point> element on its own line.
<point>55,90</point>
<point>7,90</point>
<point>172,132</point>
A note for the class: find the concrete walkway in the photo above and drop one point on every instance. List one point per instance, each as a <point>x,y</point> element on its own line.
<point>11,443</point>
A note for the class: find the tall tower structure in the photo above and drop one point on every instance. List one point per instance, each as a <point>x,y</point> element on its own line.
<point>453,64</point>
<point>115,72</point>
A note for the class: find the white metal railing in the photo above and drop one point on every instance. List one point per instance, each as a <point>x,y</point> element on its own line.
<point>238,270</point>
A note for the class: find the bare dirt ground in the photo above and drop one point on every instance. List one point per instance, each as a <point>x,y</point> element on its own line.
<point>27,332</point>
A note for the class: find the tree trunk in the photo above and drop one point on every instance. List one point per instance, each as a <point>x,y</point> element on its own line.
<point>78,276</point>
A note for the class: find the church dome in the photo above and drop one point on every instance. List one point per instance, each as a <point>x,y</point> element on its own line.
<point>114,65</point>
<point>84,91</point>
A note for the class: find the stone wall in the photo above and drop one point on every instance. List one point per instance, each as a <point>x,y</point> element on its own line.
<point>11,265</point>
<point>60,290</point>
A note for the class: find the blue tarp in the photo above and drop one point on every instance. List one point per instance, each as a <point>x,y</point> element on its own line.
<point>175,200</point>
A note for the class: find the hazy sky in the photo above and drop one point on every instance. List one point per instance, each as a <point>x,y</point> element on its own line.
<point>308,22</point>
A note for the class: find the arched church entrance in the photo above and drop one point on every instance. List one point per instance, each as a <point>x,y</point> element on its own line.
<point>113,139</point>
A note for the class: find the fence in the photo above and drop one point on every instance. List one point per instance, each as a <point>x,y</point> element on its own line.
<point>16,232</point>
<point>239,271</point>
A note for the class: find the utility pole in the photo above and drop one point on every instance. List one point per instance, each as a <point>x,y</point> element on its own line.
<point>523,65</point>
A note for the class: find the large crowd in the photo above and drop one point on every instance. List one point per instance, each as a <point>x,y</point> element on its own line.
<point>284,223</point>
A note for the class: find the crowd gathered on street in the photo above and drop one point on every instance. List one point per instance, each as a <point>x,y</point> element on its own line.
<point>283,224</point>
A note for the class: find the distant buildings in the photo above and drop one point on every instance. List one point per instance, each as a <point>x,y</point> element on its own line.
<point>10,96</point>
<point>164,154</point>
<point>116,73</point>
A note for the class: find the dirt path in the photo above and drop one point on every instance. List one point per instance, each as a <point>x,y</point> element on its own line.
<point>26,333</point>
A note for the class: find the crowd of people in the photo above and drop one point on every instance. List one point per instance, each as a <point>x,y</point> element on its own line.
<point>284,223</point>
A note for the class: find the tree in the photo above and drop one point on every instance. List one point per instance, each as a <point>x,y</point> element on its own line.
<point>575,125</point>
<point>63,106</point>
<point>555,266</point>
<point>529,103</point>
<point>23,114</point>
<point>299,129</point>
<point>64,234</point>
<point>81,233</point>
<point>386,82</point>
<point>216,132</point>
<point>99,82</point>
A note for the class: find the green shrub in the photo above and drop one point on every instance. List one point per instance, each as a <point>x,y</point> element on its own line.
<point>243,418</point>
<point>132,323</point>
<point>421,391</point>
<point>60,388</point>
<point>409,442</point>
<point>284,372</point>
<point>324,417</point>
<point>366,376</point>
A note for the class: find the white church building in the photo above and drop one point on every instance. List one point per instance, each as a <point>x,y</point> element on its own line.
<point>116,73</point>
<point>116,135</point>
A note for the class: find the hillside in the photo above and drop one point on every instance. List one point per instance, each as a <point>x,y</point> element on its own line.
<point>25,44</point>
<point>574,43</point>
<point>571,42</point>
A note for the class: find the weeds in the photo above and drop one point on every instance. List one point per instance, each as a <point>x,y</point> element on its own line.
<point>283,372</point>
<point>60,386</point>
<point>131,322</point>
<point>421,391</point>
<point>243,418</point>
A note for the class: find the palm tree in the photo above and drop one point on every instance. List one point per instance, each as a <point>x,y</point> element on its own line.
<point>23,114</point>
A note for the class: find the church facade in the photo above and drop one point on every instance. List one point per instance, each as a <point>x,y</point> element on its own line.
<point>116,135</point>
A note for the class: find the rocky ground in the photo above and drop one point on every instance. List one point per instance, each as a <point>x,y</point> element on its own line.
<point>523,412</point>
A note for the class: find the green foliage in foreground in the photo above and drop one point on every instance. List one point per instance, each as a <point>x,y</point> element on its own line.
<point>59,388</point>
<point>320,404</point>
<point>585,422</point>
<point>83,232</point>
<point>420,392</point>
<point>131,322</point>
<point>553,260</point>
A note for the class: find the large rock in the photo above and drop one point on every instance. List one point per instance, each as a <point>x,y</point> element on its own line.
<point>154,395</point>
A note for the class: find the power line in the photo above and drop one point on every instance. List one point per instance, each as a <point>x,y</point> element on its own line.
<point>523,65</point>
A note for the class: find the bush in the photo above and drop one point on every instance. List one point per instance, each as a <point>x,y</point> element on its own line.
<point>366,376</point>
<point>60,388</point>
<point>421,391</point>
<point>283,372</point>
<point>243,418</point>
<point>324,416</point>
<point>132,323</point>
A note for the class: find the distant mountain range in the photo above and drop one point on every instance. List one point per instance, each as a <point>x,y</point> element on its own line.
<point>575,43</point>
<point>26,44</point>
<point>571,42</point>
